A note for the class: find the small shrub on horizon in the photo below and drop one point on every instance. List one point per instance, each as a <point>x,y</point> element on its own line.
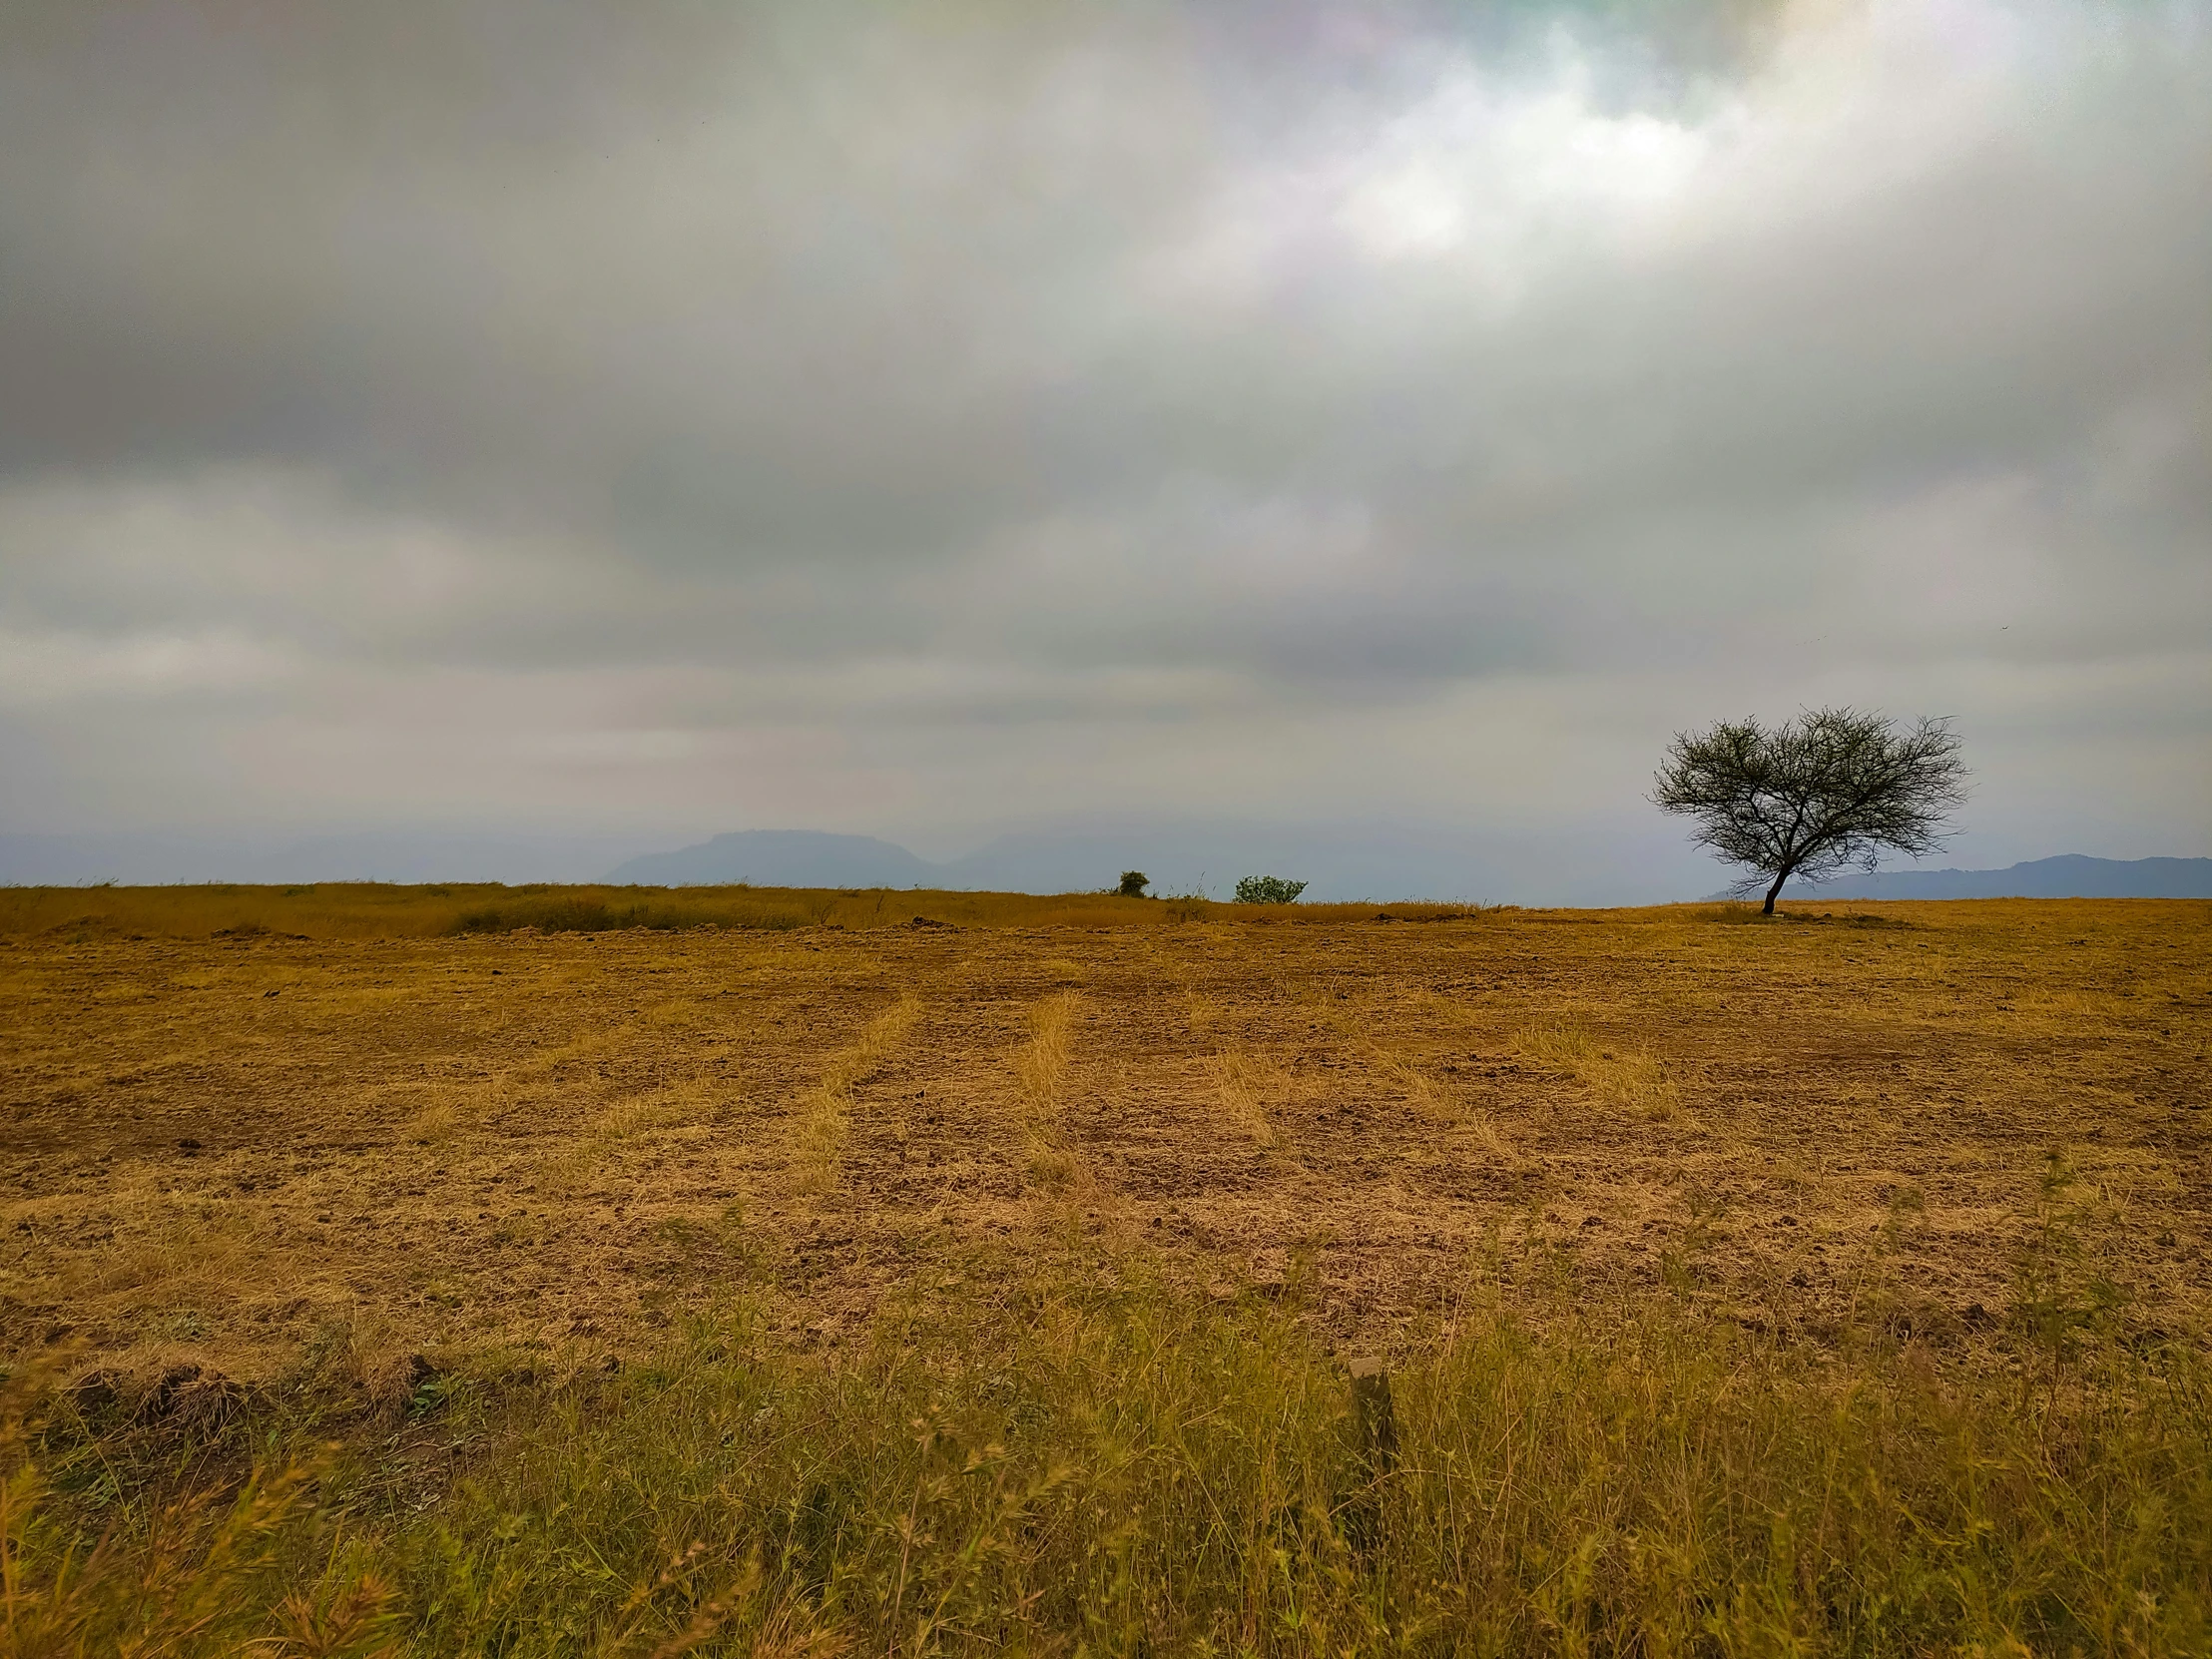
<point>1267,889</point>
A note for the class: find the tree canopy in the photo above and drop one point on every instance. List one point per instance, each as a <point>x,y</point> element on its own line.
<point>1816,795</point>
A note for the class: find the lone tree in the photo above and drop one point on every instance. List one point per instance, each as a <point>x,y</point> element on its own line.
<point>1814,796</point>
<point>1133,883</point>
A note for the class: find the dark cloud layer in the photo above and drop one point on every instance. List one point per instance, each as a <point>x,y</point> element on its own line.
<point>916,418</point>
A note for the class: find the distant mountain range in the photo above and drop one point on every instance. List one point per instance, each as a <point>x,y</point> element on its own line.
<point>1372,863</point>
<point>2070,875</point>
<point>154,858</point>
<point>1344,862</point>
<point>1378,867</point>
<point>1350,861</point>
<point>782,859</point>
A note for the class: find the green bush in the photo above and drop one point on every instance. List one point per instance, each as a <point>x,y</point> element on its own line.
<point>1267,889</point>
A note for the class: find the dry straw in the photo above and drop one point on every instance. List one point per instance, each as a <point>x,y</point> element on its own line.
<point>1620,1077</point>
<point>825,1111</point>
<point>1040,1069</point>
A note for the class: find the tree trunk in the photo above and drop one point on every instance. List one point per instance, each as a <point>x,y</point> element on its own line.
<point>1771,891</point>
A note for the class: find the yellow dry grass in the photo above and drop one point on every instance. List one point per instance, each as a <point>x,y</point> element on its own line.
<point>374,909</point>
<point>1043,1062</point>
<point>213,1148</point>
<point>1618,1076</point>
<point>1839,1281</point>
<point>824,1112</point>
<point>1040,1068</point>
<point>435,1123</point>
<point>1247,1085</point>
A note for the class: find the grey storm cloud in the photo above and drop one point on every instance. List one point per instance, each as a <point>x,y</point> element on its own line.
<point>935,414</point>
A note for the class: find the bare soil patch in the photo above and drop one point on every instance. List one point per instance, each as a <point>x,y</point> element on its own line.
<point>228,1153</point>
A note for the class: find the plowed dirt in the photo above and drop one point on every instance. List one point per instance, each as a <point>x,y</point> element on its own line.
<point>234,1151</point>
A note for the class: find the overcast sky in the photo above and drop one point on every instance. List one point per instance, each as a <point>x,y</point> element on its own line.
<point>929,421</point>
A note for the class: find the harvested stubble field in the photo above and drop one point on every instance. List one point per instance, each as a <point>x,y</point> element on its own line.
<point>410,1169</point>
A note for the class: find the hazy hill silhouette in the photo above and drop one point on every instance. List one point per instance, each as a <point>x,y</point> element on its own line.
<point>782,859</point>
<point>1370,863</point>
<point>2069,876</point>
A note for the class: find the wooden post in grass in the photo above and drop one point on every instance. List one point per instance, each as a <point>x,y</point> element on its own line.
<point>1376,1421</point>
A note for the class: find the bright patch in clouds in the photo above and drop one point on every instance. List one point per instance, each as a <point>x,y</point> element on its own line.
<point>1507,172</point>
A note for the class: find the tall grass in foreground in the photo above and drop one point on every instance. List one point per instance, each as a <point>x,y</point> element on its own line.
<point>1100,1464</point>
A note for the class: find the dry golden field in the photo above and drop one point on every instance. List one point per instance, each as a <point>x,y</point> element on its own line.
<point>388,1140</point>
<point>465,1272</point>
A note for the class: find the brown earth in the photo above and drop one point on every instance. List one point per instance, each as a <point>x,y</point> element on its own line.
<point>238,1152</point>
